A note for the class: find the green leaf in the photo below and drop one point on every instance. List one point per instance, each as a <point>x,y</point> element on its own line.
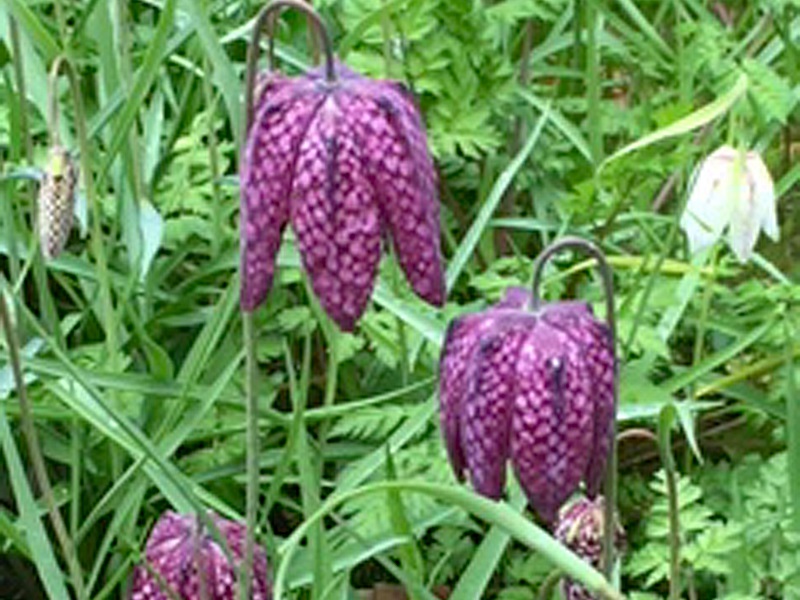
<point>35,534</point>
<point>224,74</point>
<point>479,226</point>
<point>143,81</point>
<point>496,513</point>
<point>698,118</point>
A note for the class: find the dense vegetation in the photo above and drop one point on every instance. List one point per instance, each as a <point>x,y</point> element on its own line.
<point>545,118</point>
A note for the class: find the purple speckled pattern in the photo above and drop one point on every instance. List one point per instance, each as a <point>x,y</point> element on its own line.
<point>553,418</point>
<point>192,565</point>
<point>580,527</point>
<point>487,412</point>
<point>577,319</point>
<point>345,162</point>
<point>533,387</point>
<point>266,181</point>
<point>457,367</point>
<point>334,213</point>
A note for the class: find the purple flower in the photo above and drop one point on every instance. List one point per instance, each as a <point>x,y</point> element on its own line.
<point>580,528</point>
<point>183,556</point>
<point>533,386</point>
<point>346,161</point>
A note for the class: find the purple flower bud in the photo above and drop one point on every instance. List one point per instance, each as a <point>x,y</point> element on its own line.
<point>580,528</point>
<point>345,161</point>
<point>533,386</point>
<point>182,556</point>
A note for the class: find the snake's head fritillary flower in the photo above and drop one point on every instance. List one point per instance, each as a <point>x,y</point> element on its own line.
<point>732,190</point>
<point>533,384</point>
<point>580,527</point>
<point>182,556</point>
<point>344,159</point>
<point>55,202</point>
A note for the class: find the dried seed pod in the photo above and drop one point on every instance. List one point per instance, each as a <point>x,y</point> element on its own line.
<point>184,556</point>
<point>56,201</point>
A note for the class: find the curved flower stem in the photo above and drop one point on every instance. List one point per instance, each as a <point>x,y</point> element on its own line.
<point>265,19</point>
<point>592,250</point>
<point>35,452</point>
<point>63,65</point>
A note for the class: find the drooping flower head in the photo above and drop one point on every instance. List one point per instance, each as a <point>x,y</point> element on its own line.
<point>345,160</point>
<point>55,202</point>
<point>182,555</point>
<point>732,190</point>
<point>534,384</point>
<point>580,527</point>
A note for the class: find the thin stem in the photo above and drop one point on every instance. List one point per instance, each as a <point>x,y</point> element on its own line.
<point>549,584</point>
<point>668,460</point>
<point>63,64</point>
<point>650,286</point>
<point>594,116</point>
<point>35,452</point>
<point>40,275</point>
<point>251,508</point>
<point>265,19</point>
<point>19,75</point>
<point>608,289</point>
<point>213,160</point>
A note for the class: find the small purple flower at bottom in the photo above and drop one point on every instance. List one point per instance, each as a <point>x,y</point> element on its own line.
<point>182,556</point>
<point>580,527</point>
<point>533,386</point>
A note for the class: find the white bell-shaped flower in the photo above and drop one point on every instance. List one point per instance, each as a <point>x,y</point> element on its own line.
<point>732,190</point>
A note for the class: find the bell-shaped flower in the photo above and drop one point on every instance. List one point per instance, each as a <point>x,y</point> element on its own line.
<point>183,557</point>
<point>581,527</point>
<point>345,160</point>
<point>731,190</point>
<point>533,386</point>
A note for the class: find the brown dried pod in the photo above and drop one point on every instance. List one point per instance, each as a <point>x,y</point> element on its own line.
<point>55,203</point>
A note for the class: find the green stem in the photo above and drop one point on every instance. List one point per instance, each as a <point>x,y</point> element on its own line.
<point>35,452</point>
<point>708,294</point>
<point>593,82</point>
<point>496,513</point>
<point>670,471</point>
<point>655,274</point>
<point>251,510</point>
<point>39,272</point>
<point>792,421</point>
<point>213,161</point>
<point>606,276</point>
<point>62,63</point>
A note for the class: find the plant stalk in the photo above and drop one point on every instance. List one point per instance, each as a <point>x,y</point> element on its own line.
<point>610,488</point>
<point>251,509</point>
<point>35,452</point>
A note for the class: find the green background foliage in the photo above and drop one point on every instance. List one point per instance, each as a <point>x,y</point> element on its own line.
<point>132,341</point>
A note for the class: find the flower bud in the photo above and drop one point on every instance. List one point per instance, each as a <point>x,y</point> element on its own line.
<point>55,203</point>
<point>580,527</point>
<point>184,557</point>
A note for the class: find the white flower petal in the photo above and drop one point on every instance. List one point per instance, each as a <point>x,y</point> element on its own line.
<point>708,208</point>
<point>745,222</point>
<point>764,191</point>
